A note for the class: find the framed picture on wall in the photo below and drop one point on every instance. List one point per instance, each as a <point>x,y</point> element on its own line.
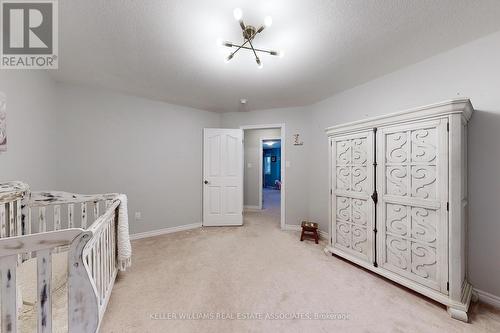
<point>3,122</point>
<point>273,159</point>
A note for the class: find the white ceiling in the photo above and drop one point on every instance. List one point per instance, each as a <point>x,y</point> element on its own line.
<point>166,49</point>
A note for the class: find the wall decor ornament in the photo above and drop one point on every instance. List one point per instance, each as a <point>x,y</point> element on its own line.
<point>297,141</point>
<point>3,123</point>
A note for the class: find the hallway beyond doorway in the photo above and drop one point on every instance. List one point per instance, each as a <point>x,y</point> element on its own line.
<point>271,201</point>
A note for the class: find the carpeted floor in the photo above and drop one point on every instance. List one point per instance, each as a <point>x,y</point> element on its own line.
<point>271,200</point>
<point>252,275</point>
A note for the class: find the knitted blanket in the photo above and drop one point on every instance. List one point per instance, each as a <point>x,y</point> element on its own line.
<point>123,237</point>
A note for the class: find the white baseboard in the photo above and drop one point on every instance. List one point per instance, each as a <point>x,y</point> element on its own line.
<point>488,298</point>
<point>292,227</point>
<point>164,231</point>
<point>250,207</point>
<point>323,234</point>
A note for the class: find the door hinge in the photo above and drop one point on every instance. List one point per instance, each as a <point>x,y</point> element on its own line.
<point>447,286</point>
<point>448,206</point>
<point>448,127</point>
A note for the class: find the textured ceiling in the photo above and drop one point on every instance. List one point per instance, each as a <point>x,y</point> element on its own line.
<point>166,49</point>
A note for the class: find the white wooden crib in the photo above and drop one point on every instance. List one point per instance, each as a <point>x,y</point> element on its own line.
<point>36,226</point>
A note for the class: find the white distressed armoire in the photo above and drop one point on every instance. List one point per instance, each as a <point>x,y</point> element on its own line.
<point>399,199</point>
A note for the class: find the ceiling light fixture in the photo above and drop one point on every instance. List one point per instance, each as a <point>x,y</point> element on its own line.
<point>249,33</point>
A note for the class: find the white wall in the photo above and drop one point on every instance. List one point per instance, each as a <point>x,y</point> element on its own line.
<point>152,151</point>
<point>31,122</point>
<point>252,161</point>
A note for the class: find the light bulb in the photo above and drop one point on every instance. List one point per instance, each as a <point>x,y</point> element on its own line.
<point>238,14</point>
<point>259,63</point>
<point>268,21</point>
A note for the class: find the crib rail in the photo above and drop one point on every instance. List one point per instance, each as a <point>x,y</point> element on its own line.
<point>12,210</point>
<point>100,255</point>
<point>10,249</point>
<point>90,237</point>
<point>48,209</point>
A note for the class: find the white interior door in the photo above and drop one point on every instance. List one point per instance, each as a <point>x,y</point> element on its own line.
<point>222,177</point>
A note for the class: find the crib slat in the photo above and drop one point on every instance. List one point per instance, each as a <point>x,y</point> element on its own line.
<point>57,217</point>
<point>28,229</point>
<point>71,212</point>
<point>107,258</point>
<point>28,222</point>
<point>44,304</point>
<point>8,293</point>
<point>3,222</point>
<point>103,266</point>
<point>94,264</point>
<point>114,246</point>
<point>112,255</point>
<point>12,225</point>
<point>90,263</point>
<point>110,252</point>
<point>84,214</point>
<point>42,224</point>
<point>99,261</point>
<point>18,218</point>
<point>96,210</point>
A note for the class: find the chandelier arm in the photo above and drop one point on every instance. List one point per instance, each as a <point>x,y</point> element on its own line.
<point>242,45</point>
<point>249,48</point>
<point>255,53</point>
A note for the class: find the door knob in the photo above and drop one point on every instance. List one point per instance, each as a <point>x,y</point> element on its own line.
<point>206,182</point>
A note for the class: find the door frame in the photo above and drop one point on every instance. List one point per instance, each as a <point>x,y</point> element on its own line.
<point>283,166</point>
<point>261,161</point>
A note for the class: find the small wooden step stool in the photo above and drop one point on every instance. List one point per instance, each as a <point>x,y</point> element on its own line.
<point>309,229</point>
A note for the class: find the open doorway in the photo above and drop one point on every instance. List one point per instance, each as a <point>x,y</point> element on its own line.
<point>264,172</point>
<point>270,172</point>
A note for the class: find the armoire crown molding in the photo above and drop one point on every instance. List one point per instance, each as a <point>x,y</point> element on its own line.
<point>461,106</point>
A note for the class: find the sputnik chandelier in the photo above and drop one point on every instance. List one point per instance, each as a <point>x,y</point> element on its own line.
<point>249,33</point>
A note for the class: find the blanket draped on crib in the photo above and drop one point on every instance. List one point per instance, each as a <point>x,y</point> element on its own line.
<point>124,247</point>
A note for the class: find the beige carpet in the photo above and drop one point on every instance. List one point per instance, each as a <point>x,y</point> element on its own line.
<point>261,270</point>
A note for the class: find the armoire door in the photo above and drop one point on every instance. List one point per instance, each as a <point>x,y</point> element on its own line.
<point>352,187</point>
<point>412,219</point>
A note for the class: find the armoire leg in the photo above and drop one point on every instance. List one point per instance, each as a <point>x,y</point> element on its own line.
<point>458,314</point>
